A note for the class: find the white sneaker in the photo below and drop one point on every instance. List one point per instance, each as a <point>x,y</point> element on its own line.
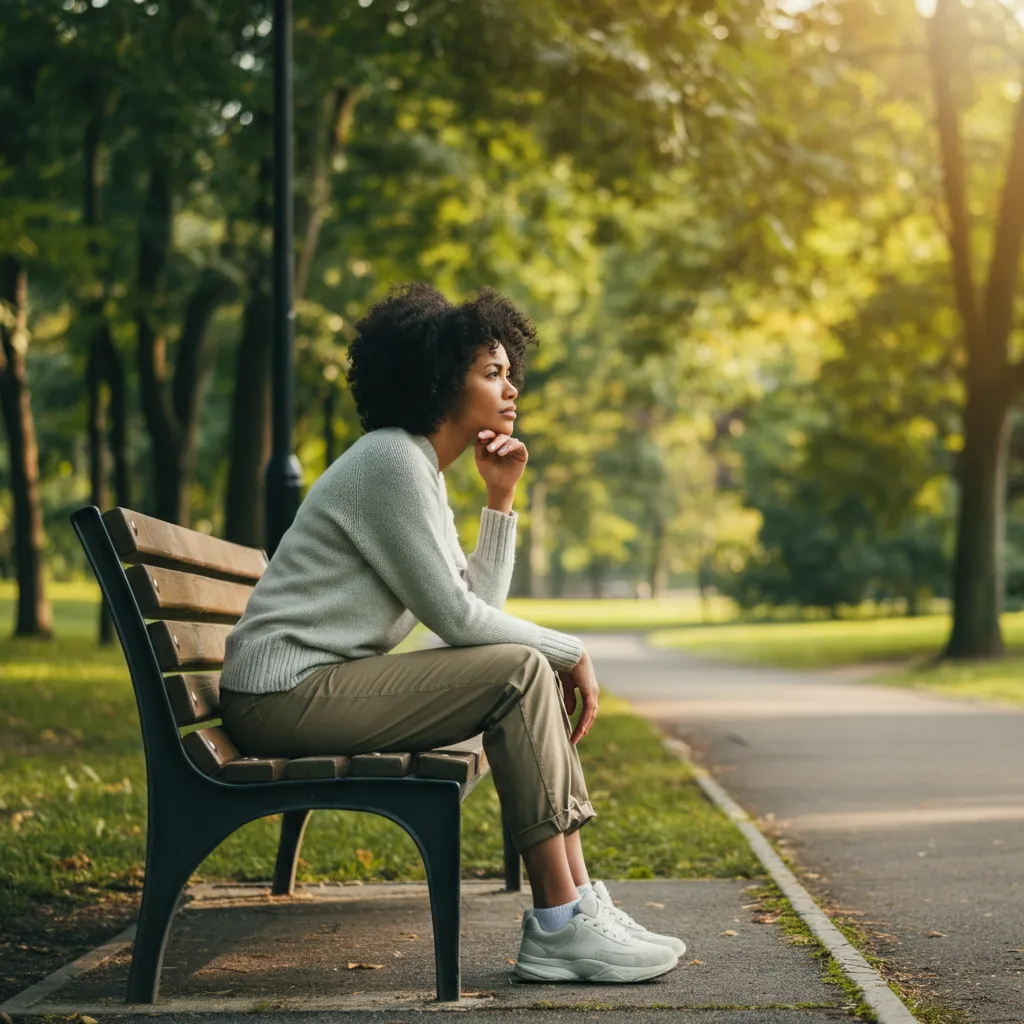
<point>633,928</point>
<point>591,947</point>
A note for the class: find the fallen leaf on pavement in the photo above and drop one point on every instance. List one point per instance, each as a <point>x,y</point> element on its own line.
<point>696,963</point>
<point>729,931</point>
<point>509,960</point>
<point>87,1020</point>
<point>937,935</point>
<point>365,967</point>
<point>657,906</point>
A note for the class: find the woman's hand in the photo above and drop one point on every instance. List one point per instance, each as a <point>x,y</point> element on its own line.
<point>500,461</point>
<point>584,679</point>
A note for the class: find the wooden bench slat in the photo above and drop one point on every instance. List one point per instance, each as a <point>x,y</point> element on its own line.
<point>211,749</point>
<point>188,646</point>
<point>459,762</point>
<point>254,769</point>
<point>194,697</point>
<point>140,539</point>
<point>381,766</point>
<point>456,767</point>
<point>324,767</point>
<point>168,594</point>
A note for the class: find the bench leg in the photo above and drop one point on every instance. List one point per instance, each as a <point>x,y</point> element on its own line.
<point>513,862</point>
<point>293,825</point>
<point>169,863</point>
<point>436,827</point>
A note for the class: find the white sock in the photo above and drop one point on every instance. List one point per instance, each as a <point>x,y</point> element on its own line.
<point>585,889</point>
<point>551,919</point>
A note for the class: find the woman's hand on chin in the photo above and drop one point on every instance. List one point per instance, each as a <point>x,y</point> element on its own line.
<point>500,461</point>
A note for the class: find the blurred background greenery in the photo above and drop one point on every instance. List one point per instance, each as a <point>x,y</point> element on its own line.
<point>729,219</point>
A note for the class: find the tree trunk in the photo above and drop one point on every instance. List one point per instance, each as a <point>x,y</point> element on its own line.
<point>978,566</point>
<point>658,575</point>
<point>33,610</point>
<point>95,378</point>
<point>171,412</point>
<point>249,449</point>
<point>166,495</point>
<point>99,342</point>
<point>118,438</point>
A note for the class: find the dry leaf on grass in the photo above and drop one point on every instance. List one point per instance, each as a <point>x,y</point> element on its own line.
<point>365,967</point>
<point>729,931</point>
<point>77,862</point>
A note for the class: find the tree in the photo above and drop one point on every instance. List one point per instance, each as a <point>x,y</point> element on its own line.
<point>992,381</point>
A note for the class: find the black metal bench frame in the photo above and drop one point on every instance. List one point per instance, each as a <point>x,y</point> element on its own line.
<point>190,813</point>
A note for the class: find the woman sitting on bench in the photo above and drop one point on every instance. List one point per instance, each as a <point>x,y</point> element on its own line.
<point>372,550</point>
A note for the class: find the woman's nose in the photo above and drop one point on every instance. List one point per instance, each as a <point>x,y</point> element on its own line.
<point>510,389</point>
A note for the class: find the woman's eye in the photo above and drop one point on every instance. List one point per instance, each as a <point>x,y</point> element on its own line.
<point>493,373</point>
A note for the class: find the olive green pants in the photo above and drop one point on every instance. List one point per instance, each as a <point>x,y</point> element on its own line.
<point>427,699</point>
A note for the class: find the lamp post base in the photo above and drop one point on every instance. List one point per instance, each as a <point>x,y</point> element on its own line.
<point>284,494</point>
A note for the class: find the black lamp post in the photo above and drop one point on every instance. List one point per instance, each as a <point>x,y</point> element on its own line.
<point>283,475</point>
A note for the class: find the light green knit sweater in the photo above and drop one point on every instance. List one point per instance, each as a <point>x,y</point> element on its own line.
<point>372,550</point>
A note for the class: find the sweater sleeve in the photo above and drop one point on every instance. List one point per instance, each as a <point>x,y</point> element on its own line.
<point>401,532</point>
<point>488,570</point>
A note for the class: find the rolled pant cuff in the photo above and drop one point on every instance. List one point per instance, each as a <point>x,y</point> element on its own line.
<point>563,823</point>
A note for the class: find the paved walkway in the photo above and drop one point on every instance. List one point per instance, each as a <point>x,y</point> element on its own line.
<point>907,809</point>
<point>235,950</point>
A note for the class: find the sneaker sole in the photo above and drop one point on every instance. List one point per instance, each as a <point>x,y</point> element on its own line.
<point>587,970</point>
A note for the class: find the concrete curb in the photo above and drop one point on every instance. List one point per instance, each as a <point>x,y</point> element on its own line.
<point>887,1006</point>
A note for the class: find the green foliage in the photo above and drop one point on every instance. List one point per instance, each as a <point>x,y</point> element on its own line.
<point>750,372</point>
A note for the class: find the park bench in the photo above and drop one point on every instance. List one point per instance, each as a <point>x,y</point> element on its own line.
<point>191,588</point>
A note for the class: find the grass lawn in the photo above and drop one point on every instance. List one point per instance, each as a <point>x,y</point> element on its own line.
<point>581,615</point>
<point>810,645</point>
<point>72,792</point>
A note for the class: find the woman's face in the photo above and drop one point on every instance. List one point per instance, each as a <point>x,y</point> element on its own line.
<point>488,398</point>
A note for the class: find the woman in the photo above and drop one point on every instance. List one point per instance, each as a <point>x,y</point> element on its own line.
<point>372,550</point>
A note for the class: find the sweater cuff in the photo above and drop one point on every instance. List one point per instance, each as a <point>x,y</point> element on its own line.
<point>496,544</point>
<point>562,650</point>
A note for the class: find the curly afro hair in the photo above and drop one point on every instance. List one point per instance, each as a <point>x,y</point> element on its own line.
<point>413,349</point>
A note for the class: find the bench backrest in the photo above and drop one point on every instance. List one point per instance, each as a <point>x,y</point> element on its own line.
<point>192,588</point>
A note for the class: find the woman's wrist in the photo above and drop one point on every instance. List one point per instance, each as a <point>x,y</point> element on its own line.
<point>501,501</point>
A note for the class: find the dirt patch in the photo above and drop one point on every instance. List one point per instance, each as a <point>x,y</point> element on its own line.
<point>46,936</point>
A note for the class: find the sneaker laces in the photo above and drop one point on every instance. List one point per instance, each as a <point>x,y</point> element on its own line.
<point>608,925</point>
<point>619,916</point>
<point>603,921</point>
